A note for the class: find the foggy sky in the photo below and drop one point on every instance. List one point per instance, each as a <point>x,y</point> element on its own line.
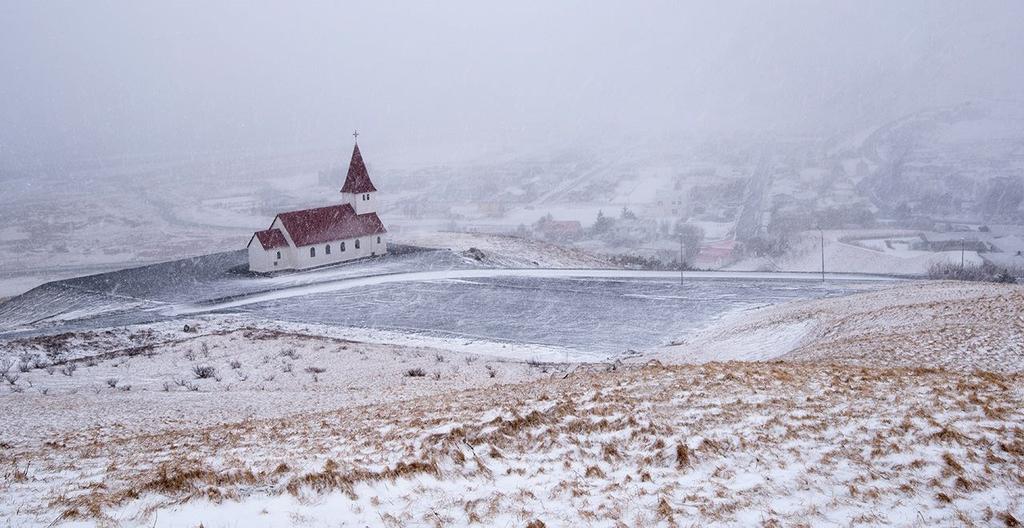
<point>100,79</point>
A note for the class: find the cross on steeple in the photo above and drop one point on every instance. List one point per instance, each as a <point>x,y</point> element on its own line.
<point>355,134</point>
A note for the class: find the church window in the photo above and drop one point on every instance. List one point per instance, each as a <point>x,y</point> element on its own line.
<point>378,240</point>
<point>343,246</point>
<point>278,254</point>
<point>327,249</point>
<point>357,243</point>
<point>312,252</point>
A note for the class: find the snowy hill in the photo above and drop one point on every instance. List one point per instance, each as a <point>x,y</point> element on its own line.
<point>240,424</point>
<point>949,325</point>
<point>964,161</point>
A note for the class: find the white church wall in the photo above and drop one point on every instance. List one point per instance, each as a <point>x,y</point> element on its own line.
<point>259,260</point>
<point>368,246</point>
<point>262,260</point>
<point>362,203</point>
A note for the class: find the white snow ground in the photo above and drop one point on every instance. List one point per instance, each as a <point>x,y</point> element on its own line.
<point>844,256</point>
<point>952,325</point>
<point>319,283</point>
<point>877,415</point>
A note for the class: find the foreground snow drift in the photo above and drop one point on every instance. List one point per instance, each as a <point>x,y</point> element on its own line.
<point>719,444</point>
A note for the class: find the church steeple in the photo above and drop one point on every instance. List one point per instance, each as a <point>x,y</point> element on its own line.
<point>358,190</point>
<point>358,179</point>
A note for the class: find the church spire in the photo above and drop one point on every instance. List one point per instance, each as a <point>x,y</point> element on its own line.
<point>358,179</point>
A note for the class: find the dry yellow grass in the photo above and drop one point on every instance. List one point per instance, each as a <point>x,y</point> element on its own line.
<point>655,444</point>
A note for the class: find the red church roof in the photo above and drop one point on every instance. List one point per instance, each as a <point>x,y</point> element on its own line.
<point>270,238</point>
<point>327,224</point>
<point>358,180</point>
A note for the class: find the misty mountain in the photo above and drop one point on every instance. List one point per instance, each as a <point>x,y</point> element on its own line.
<point>964,161</point>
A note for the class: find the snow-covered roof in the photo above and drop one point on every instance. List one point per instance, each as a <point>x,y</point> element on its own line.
<point>270,238</point>
<point>327,224</point>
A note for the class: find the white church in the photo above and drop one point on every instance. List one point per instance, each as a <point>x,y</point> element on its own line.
<point>325,235</point>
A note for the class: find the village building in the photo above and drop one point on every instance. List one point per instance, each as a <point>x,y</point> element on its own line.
<point>324,235</point>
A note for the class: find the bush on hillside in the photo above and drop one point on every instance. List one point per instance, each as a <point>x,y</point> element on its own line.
<point>986,272</point>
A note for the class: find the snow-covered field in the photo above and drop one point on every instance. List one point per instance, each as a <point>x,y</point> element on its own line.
<point>506,251</point>
<point>845,413</point>
<point>951,325</point>
<point>863,257</point>
<point>430,297</point>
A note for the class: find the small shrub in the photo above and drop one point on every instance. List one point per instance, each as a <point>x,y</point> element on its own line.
<point>316,370</point>
<point>290,353</point>
<point>286,368</point>
<point>186,384</point>
<point>439,358</point>
<point>69,369</point>
<point>436,375</point>
<point>491,373</point>
<point>112,382</point>
<point>415,373</point>
<point>125,388</point>
<point>235,364</point>
<point>24,366</point>
<point>986,272</point>
<point>167,386</point>
<point>204,371</point>
<point>682,455</point>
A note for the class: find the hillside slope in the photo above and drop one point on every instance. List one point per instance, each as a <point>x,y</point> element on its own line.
<point>882,411</point>
<point>718,445</point>
<point>917,324</point>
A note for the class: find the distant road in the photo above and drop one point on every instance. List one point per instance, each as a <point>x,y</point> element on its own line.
<point>313,286</point>
<point>549,196</point>
<point>748,221</point>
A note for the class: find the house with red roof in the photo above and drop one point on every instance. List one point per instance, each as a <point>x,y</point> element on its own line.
<point>324,235</point>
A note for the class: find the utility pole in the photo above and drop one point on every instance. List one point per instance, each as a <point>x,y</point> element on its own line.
<point>680,258</point>
<point>822,243</point>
